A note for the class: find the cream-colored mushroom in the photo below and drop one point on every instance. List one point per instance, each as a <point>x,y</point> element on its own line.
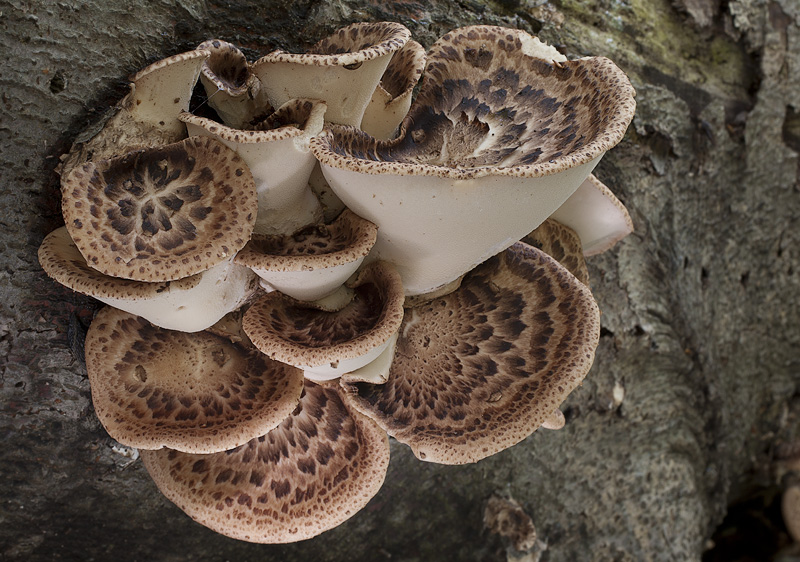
<point>480,369</point>
<point>148,115</point>
<point>311,473</point>
<point>278,156</point>
<point>343,69</point>
<point>327,344</point>
<point>199,393</point>
<point>314,261</point>
<point>497,139</point>
<point>162,213</point>
<point>189,304</point>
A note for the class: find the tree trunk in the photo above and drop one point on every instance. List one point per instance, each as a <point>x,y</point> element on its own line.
<point>693,388</point>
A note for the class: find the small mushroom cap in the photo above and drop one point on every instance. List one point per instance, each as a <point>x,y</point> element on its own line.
<point>201,393</point>
<point>790,508</point>
<point>308,475</point>
<point>563,244</point>
<point>346,240</point>
<point>480,369</point>
<point>292,332</point>
<point>350,45</point>
<point>597,216</point>
<point>226,68</point>
<point>162,213</point>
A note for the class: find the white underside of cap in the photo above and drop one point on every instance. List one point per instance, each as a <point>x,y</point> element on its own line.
<point>335,370</point>
<point>310,285</point>
<point>436,229</point>
<point>222,289</point>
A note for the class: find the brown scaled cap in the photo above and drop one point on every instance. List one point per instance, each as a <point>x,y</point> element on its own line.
<point>480,369</point>
<point>162,213</point>
<point>308,475</point>
<point>563,244</point>
<point>197,392</point>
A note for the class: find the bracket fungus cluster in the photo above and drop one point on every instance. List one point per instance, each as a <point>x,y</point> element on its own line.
<point>304,261</point>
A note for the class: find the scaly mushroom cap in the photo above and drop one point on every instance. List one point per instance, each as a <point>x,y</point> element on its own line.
<point>351,45</point>
<point>293,332</point>
<point>487,106</point>
<point>163,213</point>
<point>318,246</point>
<point>201,393</point>
<point>308,475</point>
<point>480,369</point>
<point>563,244</point>
<point>226,69</point>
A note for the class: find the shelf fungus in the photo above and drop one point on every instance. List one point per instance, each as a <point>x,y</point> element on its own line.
<point>327,344</point>
<point>288,291</point>
<point>198,393</point>
<point>308,475</point>
<point>343,69</point>
<point>314,261</point>
<point>502,132</point>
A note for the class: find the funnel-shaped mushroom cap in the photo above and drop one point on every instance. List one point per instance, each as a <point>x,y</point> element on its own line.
<point>497,138</point>
<point>162,213</point>
<point>308,475</point>
<point>201,393</point>
<point>314,261</point>
<point>189,304</point>
<point>563,244</point>
<point>343,69</point>
<point>148,115</point>
<point>327,344</point>
<point>278,156</point>
<point>232,90</point>
<point>596,215</point>
<point>391,100</point>
<point>480,369</point>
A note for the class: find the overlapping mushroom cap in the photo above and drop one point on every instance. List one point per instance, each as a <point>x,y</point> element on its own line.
<point>308,475</point>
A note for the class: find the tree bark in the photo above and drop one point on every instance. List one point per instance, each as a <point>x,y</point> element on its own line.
<point>701,305</point>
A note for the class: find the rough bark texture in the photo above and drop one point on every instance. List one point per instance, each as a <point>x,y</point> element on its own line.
<point>700,306</point>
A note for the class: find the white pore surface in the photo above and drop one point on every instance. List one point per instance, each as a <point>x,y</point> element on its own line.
<point>309,285</point>
<point>338,368</point>
<point>222,289</point>
<point>436,229</point>
<point>347,92</point>
<point>599,218</point>
<point>281,170</point>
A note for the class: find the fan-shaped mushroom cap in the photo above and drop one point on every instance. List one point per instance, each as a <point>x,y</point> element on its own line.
<point>189,304</point>
<point>308,475</point>
<point>201,393</point>
<point>497,139</point>
<point>279,158</point>
<point>327,344</point>
<point>563,244</point>
<point>391,100</point>
<point>480,369</point>
<point>790,509</point>
<point>232,90</point>
<point>314,261</point>
<point>148,115</point>
<point>342,69</point>
<point>162,213</point>
<point>596,215</point>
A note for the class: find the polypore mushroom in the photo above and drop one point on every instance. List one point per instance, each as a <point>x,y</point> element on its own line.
<point>790,509</point>
<point>314,261</point>
<point>308,475</point>
<point>596,215</point>
<point>199,393</point>
<point>483,367</point>
<point>162,213</point>
<point>326,344</point>
<point>561,243</point>
<point>189,304</point>
<point>278,156</point>
<point>148,115</point>
<point>391,100</point>
<point>498,138</point>
<point>343,69</point>
<point>232,90</point>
